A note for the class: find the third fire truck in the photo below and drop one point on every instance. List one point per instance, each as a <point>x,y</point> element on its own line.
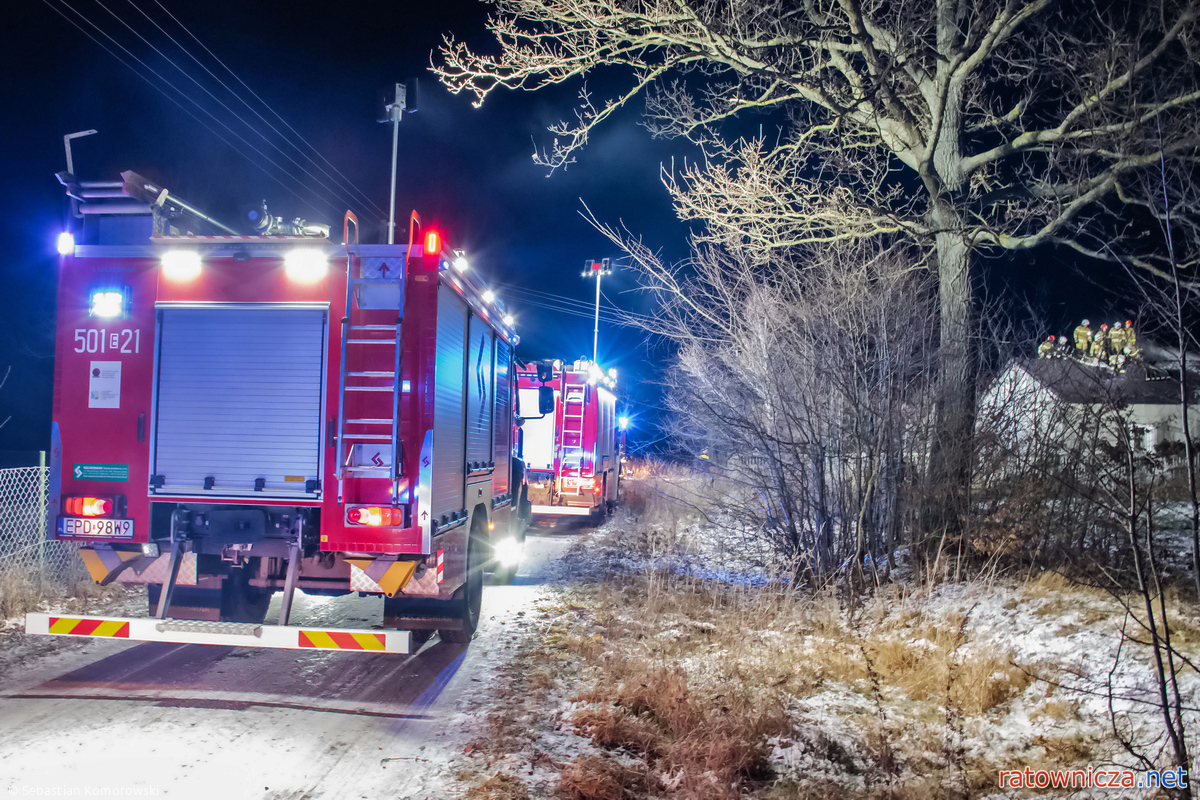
<point>571,444</point>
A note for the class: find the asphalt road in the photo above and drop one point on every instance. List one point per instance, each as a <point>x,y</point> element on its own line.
<point>105,718</point>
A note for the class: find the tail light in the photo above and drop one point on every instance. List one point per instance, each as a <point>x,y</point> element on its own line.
<point>433,243</point>
<point>581,484</point>
<point>375,516</point>
<point>88,506</point>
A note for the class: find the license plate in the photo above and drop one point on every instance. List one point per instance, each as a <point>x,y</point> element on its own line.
<point>83,526</point>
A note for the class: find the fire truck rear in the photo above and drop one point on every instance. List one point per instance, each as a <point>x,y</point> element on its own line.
<point>240,416</point>
<point>570,443</point>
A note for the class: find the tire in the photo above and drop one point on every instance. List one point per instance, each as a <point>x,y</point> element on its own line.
<point>524,510</point>
<point>468,599</point>
<point>241,602</point>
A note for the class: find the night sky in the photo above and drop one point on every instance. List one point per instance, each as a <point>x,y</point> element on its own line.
<point>468,170</point>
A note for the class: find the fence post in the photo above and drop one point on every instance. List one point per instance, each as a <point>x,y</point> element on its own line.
<point>41,504</point>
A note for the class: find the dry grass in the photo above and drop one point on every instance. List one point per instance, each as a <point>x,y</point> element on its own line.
<point>595,778</point>
<point>708,745</point>
<point>705,734</point>
<point>21,591</point>
<point>691,689</point>
<point>500,786</point>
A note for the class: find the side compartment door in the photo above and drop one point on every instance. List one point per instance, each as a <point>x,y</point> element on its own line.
<point>480,368</point>
<point>449,442</point>
<point>502,421</point>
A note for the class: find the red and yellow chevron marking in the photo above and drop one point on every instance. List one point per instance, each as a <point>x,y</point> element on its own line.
<point>341,640</point>
<point>74,626</point>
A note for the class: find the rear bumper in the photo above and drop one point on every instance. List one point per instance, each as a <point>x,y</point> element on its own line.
<point>229,634</point>
<point>575,511</point>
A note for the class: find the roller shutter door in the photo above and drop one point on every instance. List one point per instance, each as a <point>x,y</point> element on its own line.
<point>238,400</point>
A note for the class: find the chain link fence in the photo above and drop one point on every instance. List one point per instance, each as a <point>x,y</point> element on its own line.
<point>23,545</point>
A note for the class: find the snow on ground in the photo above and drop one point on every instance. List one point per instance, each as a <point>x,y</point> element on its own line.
<point>1054,647</point>
<point>126,719</point>
<point>504,709</point>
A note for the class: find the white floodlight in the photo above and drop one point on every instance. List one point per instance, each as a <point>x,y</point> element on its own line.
<point>180,265</point>
<point>305,265</point>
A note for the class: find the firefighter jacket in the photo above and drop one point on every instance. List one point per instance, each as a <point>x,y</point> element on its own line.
<point>1117,339</point>
<point>1083,336</point>
<point>1045,349</point>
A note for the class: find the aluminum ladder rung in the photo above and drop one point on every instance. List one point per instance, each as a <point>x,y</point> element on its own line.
<point>370,389</point>
<point>375,373</point>
<point>374,421</point>
<point>373,327</point>
<point>392,342</point>
<point>373,437</point>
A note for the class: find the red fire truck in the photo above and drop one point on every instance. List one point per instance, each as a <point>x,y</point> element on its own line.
<point>238,416</point>
<point>570,442</point>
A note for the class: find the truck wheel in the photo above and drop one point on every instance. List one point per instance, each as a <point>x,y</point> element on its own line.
<point>468,599</point>
<point>241,602</point>
<point>524,511</point>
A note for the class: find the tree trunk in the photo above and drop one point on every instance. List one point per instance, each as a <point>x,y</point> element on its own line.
<point>946,502</point>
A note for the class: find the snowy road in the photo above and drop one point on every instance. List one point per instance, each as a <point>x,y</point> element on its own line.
<point>102,718</point>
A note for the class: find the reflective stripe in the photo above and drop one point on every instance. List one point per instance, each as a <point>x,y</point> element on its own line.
<point>228,634</point>
<point>83,626</point>
<point>341,640</point>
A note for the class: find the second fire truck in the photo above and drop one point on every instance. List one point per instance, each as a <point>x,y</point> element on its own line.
<point>570,439</point>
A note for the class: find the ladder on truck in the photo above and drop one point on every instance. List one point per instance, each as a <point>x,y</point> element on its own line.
<point>571,444</point>
<point>368,396</point>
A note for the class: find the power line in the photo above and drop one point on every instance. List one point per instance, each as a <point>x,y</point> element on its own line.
<point>347,182</point>
<point>219,102</point>
<point>557,298</point>
<point>165,94</point>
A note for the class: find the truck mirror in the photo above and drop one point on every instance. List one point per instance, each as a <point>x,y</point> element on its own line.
<point>545,371</point>
<point>545,399</point>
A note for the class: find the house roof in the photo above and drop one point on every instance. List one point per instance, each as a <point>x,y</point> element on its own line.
<point>1075,382</point>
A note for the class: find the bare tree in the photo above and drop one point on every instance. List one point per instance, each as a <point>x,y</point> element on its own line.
<point>970,125</point>
<point>809,392</point>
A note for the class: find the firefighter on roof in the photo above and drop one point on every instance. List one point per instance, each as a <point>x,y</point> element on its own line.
<point>1046,348</point>
<point>1083,338</point>
<point>1064,349</point>
<point>1100,344</point>
<point>1116,339</point>
<point>1130,336</point>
